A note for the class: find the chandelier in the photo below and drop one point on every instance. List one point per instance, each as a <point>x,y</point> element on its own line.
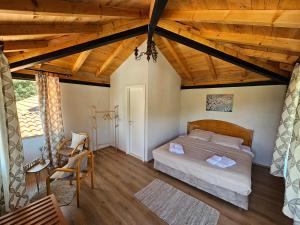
<point>151,52</point>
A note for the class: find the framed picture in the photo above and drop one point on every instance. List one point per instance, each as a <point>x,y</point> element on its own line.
<point>219,102</point>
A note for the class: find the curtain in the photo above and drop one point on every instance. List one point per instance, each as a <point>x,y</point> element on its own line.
<point>286,156</point>
<point>12,175</point>
<point>51,115</point>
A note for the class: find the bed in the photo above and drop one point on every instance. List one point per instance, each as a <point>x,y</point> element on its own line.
<point>231,184</point>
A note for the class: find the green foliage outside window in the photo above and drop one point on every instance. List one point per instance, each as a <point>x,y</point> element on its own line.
<point>24,89</point>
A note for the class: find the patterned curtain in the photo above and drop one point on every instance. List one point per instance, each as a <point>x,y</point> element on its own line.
<point>51,115</point>
<point>286,157</point>
<point>12,175</point>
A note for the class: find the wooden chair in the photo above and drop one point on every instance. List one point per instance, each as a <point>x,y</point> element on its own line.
<point>76,172</point>
<point>65,152</point>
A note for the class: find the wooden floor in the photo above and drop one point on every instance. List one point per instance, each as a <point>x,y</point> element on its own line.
<point>119,176</point>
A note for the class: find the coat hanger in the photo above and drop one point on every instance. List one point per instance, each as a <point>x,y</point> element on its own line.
<point>107,116</point>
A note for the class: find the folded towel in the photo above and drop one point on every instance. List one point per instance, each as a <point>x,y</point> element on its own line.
<point>214,159</point>
<point>222,162</point>
<point>226,162</point>
<point>176,148</point>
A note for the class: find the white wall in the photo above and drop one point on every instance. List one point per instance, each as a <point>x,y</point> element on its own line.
<point>76,107</point>
<point>258,108</point>
<point>131,72</point>
<point>162,85</point>
<point>31,147</point>
<point>163,103</point>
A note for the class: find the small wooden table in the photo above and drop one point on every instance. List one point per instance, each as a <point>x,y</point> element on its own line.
<point>44,211</point>
<point>36,170</point>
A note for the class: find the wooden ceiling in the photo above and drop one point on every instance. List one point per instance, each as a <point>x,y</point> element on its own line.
<point>263,32</point>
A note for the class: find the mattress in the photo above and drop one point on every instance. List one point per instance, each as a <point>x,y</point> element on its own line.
<point>236,178</point>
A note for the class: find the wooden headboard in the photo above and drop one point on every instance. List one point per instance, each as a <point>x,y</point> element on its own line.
<point>222,127</point>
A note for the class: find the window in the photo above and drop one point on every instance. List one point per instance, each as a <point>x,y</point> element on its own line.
<point>28,108</point>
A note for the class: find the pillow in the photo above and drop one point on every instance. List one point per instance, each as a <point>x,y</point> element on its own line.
<point>201,134</point>
<point>228,141</point>
<point>76,139</point>
<point>70,165</point>
<point>247,150</point>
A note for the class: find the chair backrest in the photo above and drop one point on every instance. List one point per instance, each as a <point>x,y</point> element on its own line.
<point>86,141</point>
<point>80,160</point>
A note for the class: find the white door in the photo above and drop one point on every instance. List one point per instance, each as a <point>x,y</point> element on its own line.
<point>136,121</point>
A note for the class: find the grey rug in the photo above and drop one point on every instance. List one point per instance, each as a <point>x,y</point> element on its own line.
<point>176,207</point>
<point>63,191</point>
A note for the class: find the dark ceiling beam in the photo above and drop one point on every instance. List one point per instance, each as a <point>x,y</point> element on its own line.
<point>158,8</point>
<point>243,84</point>
<point>22,76</point>
<point>22,64</point>
<point>221,55</point>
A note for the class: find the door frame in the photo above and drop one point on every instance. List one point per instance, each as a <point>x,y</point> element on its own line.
<point>127,88</point>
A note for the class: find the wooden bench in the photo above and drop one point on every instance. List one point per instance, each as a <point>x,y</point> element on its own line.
<point>44,211</point>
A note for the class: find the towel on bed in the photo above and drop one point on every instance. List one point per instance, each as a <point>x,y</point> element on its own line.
<point>176,148</point>
<point>221,161</point>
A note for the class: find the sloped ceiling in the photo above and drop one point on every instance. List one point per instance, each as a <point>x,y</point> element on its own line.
<point>266,32</point>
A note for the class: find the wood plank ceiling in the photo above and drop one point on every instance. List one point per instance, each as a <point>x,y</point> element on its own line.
<point>266,33</point>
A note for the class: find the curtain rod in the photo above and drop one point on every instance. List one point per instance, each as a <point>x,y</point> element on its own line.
<point>40,70</point>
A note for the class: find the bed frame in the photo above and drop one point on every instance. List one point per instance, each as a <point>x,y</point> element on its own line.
<point>220,127</point>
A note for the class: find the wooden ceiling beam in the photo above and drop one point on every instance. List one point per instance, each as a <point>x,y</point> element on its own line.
<point>184,35</point>
<point>121,53</point>
<point>65,73</point>
<point>67,41</point>
<point>78,48</point>
<point>273,18</point>
<point>287,67</point>
<point>24,45</point>
<point>48,29</point>
<point>80,60</point>
<point>245,74</point>
<point>211,66</point>
<point>101,70</point>
<point>181,64</point>
<point>252,39</point>
<point>65,9</point>
<point>80,75</point>
<point>266,55</point>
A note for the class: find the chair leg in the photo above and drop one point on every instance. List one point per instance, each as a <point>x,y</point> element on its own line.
<point>48,186</point>
<point>77,190</point>
<point>92,171</point>
<point>92,179</point>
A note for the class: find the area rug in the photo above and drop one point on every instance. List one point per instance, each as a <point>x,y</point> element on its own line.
<point>176,207</point>
<point>63,191</point>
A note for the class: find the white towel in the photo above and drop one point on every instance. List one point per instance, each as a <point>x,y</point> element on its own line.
<point>226,162</point>
<point>214,159</point>
<point>222,162</point>
<point>176,148</point>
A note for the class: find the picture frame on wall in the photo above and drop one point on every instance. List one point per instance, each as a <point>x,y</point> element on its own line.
<point>219,102</point>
